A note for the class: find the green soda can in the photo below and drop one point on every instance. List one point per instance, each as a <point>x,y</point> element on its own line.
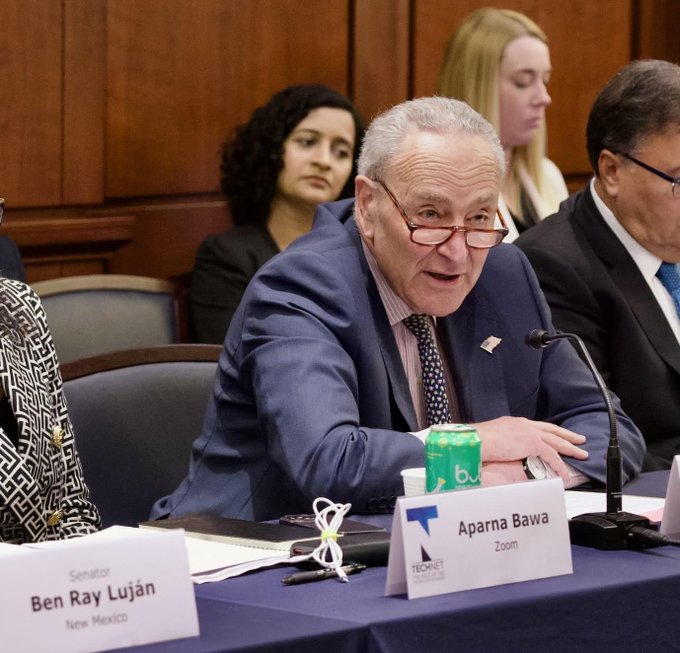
<point>453,458</point>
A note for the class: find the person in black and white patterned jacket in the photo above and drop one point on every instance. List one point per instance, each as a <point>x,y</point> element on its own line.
<point>42,492</point>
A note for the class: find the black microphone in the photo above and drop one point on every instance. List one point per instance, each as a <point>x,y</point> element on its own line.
<point>613,529</point>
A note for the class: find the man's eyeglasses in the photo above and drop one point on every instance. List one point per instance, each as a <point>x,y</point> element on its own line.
<point>423,235</point>
<point>2,208</point>
<point>674,180</point>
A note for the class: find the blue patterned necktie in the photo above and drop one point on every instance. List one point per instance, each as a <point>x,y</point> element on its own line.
<point>670,277</point>
<point>434,380</point>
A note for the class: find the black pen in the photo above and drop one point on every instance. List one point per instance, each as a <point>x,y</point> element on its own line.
<point>321,574</point>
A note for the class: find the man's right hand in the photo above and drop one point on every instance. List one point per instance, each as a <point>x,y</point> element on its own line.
<point>508,439</point>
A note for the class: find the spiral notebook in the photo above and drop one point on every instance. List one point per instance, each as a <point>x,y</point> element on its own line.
<point>241,532</point>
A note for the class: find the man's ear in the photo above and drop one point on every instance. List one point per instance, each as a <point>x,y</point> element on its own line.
<point>609,169</point>
<point>365,209</point>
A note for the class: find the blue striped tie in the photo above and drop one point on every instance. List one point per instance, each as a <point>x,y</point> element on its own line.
<point>670,277</point>
<point>434,381</point>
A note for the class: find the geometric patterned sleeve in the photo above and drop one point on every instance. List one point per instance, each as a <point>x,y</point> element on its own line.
<point>80,514</point>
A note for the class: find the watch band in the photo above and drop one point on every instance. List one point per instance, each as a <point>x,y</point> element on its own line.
<point>527,471</point>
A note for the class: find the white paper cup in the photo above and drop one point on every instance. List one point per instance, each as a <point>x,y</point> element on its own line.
<point>414,481</point>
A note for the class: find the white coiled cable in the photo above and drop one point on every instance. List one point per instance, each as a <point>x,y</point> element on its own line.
<point>329,547</point>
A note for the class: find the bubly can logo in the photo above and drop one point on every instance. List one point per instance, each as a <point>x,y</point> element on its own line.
<point>463,476</point>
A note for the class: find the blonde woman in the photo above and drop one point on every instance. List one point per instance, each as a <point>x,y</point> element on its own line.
<point>499,63</point>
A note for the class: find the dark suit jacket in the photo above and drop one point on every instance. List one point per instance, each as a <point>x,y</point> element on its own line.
<point>595,290</point>
<point>311,398</point>
<point>225,263</point>
<point>11,265</point>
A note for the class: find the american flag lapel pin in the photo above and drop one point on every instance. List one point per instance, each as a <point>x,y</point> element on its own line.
<point>490,343</point>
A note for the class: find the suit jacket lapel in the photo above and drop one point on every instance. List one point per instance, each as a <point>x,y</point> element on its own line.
<point>386,341</point>
<point>19,492</point>
<point>478,374</point>
<point>626,276</point>
<point>391,357</point>
<point>15,374</point>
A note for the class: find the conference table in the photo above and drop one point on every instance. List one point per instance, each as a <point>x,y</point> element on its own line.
<point>614,601</point>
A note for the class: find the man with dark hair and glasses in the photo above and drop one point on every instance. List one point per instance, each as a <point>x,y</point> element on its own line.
<point>608,260</point>
<point>399,310</point>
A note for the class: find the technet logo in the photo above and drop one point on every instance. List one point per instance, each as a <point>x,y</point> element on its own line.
<point>427,569</point>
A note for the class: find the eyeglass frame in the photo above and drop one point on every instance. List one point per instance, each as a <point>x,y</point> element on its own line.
<point>666,177</point>
<point>503,231</point>
<point>2,209</point>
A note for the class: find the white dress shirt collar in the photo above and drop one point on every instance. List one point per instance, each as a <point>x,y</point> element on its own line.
<point>397,309</point>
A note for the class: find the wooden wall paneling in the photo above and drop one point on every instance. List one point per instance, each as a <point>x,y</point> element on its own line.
<point>182,73</point>
<point>581,67</point>
<point>56,243</point>
<point>31,102</point>
<point>84,98</point>
<point>381,55</point>
<point>167,235</point>
<point>588,40</point>
<point>115,110</point>
<point>657,34</point>
<point>51,267</point>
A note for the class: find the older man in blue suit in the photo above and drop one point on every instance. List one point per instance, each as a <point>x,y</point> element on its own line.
<point>320,388</point>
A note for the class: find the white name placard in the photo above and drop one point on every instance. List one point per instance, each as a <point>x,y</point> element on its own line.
<point>670,523</point>
<point>480,537</point>
<point>120,587</point>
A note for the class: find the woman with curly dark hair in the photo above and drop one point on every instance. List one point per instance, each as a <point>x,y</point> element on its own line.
<point>295,151</point>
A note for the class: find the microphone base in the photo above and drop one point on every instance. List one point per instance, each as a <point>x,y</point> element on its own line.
<point>607,531</point>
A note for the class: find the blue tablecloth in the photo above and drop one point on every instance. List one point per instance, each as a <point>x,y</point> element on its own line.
<point>614,601</point>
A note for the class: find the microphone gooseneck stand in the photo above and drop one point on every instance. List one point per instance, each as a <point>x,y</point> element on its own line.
<point>613,529</point>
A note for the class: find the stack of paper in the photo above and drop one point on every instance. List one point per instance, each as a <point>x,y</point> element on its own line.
<point>222,547</point>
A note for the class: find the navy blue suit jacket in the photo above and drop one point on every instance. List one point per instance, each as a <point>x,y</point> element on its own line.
<point>311,399</point>
<point>11,265</point>
<point>595,289</point>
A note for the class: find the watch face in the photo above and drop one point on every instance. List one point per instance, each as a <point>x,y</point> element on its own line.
<point>536,467</point>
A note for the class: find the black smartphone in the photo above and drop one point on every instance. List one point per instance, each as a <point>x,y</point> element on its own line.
<point>347,526</point>
<point>370,548</point>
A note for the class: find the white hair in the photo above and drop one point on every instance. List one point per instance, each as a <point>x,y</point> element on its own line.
<point>439,115</point>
